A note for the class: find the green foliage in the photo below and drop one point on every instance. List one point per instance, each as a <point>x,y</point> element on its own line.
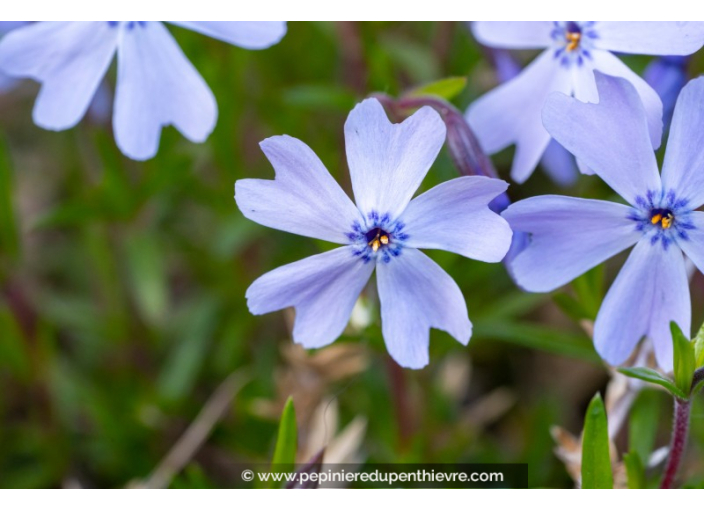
<point>287,438</point>
<point>447,88</point>
<point>684,360</point>
<point>596,462</point>
<point>655,377</point>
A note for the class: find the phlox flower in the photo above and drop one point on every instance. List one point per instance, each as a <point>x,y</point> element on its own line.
<point>568,236</point>
<point>156,84</point>
<point>510,114</point>
<point>384,231</point>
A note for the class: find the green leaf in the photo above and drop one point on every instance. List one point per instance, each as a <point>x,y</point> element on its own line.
<point>643,423</point>
<point>596,462</point>
<point>684,359</point>
<point>9,236</point>
<point>447,88</point>
<point>699,347</point>
<point>536,336</point>
<point>286,441</point>
<point>634,471</point>
<point>146,262</point>
<point>651,376</point>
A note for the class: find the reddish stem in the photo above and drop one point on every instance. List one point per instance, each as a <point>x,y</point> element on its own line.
<point>678,442</point>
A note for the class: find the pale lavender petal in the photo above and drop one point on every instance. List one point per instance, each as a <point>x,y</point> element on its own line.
<point>303,199</point>
<point>323,289</point>
<point>454,216</point>
<point>69,59</point>
<point>692,242</point>
<point>416,295</point>
<point>156,87</point>
<point>610,138</point>
<point>683,168</point>
<point>510,114</point>
<point>607,63</point>
<point>514,34</point>
<point>389,161</point>
<point>568,236</point>
<point>252,35</point>
<point>650,37</point>
<point>559,164</point>
<point>650,291</point>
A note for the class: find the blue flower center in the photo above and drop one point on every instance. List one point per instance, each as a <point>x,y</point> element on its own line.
<point>379,238</point>
<point>573,41</point>
<point>663,217</point>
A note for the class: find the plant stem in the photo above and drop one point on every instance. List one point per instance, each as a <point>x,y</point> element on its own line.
<point>677,444</point>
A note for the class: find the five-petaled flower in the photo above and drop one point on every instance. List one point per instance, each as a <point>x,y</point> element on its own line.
<point>156,84</point>
<point>510,114</point>
<point>568,235</point>
<point>385,230</point>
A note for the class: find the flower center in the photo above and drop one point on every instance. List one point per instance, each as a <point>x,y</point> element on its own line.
<point>573,36</point>
<point>376,238</point>
<point>662,217</point>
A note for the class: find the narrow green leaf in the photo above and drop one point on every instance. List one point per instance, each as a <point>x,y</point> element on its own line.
<point>651,376</point>
<point>699,347</point>
<point>643,423</point>
<point>447,88</point>
<point>684,359</point>
<point>596,462</point>
<point>285,452</point>
<point>9,236</point>
<point>634,471</point>
<point>286,441</point>
<point>146,262</point>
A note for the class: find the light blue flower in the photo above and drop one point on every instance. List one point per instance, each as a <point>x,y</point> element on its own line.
<point>510,114</point>
<point>384,231</point>
<point>156,84</point>
<point>6,82</point>
<point>667,76</point>
<point>568,236</point>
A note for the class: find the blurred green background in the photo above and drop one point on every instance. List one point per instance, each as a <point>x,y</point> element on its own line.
<point>122,287</point>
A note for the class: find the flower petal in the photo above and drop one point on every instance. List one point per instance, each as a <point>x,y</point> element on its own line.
<point>454,216</point>
<point>683,168</point>
<point>650,37</point>
<point>608,63</point>
<point>323,289</point>
<point>304,199</point>
<point>157,86</point>
<point>389,161</point>
<point>69,59</point>
<point>610,138</point>
<point>650,291</point>
<point>252,35</point>
<point>568,236</point>
<point>692,244</point>
<point>416,295</point>
<point>511,113</point>
<point>517,35</point>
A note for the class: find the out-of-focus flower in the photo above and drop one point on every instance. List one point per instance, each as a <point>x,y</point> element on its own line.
<point>556,161</point>
<point>7,82</point>
<point>385,231</point>
<point>667,75</point>
<point>510,114</point>
<point>568,236</point>
<point>156,84</point>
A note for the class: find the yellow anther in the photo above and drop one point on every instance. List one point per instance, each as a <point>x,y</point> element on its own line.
<point>384,239</point>
<point>573,39</point>
<point>656,219</point>
<point>667,221</point>
<point>375,245</point>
